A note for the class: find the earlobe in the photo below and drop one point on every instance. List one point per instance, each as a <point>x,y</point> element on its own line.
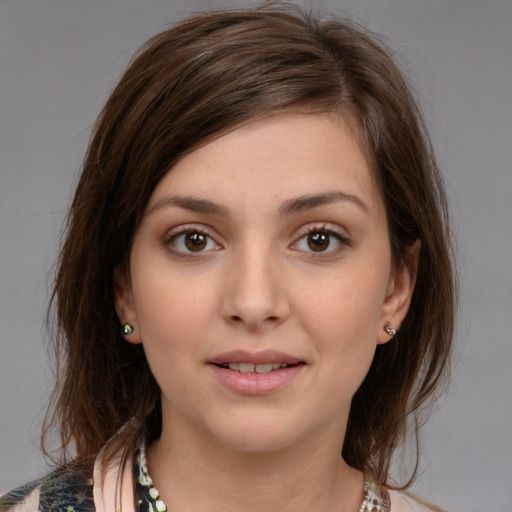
<point>125,308</point>
<point>399,294</point>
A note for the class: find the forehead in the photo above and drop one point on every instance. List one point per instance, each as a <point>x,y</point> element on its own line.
<point>274,159</point>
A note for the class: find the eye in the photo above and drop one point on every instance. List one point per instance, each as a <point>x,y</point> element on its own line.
<point>192,241</point>
<point>320,240</point>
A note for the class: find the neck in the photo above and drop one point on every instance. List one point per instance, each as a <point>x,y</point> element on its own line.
<point>205,475</point>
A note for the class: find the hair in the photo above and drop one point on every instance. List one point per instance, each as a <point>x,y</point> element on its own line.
<point>195,81</point>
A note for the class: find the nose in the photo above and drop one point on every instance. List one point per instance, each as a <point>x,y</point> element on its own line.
<point>254,296</point>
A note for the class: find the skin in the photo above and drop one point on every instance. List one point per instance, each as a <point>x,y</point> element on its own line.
<point>254,281</point>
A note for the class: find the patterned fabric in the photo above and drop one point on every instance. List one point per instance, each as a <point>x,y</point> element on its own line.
<point>375,495</point>
<point>67,490</point>
<point>148,499</point>
<point>13,498</point>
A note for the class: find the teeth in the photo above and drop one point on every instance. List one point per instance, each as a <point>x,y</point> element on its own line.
<point>251,368</point>
<point>246,368</point>
<point>263,368</point>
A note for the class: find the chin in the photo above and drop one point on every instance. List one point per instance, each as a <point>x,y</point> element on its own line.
<point>258,435</point>
<point>257,443</point>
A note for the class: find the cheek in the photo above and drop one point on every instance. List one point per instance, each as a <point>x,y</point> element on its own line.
<point>171,309</point>
<point>342,316</point>
<point>172,316</point>
<point>346,305</point>
<point>175,311</point>
<point>163,292</point>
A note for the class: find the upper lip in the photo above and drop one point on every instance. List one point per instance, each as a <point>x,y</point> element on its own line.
<point>261,357</point>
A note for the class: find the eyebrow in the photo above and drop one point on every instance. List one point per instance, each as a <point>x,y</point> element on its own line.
<point>310,201</point>
<point>191,203</point>
<point>289,207</point>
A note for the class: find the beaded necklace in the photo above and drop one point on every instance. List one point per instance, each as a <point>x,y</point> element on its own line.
<point>375,495</point>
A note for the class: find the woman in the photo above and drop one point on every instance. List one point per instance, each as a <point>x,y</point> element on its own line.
<point>256,277</point>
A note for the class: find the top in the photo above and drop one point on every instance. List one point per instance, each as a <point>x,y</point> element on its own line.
<point>69,490</point>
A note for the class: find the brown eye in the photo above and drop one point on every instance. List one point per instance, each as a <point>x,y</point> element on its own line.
<point>195,242</point>
<point>188,242</point>
<point>318,242</point>
<point>323,242</point>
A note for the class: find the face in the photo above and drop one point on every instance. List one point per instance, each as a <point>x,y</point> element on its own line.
<point>260,284</point>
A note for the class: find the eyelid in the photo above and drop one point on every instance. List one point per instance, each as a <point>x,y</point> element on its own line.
<point>327,228</point>
<point>185,229</point>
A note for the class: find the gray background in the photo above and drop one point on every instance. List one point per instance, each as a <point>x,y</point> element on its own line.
<point>58,61</point>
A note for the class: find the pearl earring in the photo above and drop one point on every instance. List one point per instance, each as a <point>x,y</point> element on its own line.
<point>127,329</point>
<point>389,330</point>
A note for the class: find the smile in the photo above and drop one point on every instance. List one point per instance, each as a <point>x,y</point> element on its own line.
<point>254,368</point>
<point>255,373</point>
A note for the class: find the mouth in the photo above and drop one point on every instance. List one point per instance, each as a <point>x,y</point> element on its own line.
<point>255,368</point>
<point>264,361</point>
<point>255,373</point>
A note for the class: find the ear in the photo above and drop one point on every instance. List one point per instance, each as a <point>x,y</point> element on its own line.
<point>399,293</point>
<point>123,302</point>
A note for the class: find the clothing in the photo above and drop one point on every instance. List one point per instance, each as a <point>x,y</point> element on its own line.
<point>129,490</point>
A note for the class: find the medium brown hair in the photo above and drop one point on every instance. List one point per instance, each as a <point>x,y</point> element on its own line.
<point>189,84</point>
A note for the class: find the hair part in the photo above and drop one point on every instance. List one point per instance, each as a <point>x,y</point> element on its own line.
<point>203,77</point>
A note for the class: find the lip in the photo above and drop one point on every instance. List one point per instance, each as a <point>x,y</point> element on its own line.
<point>261,357</point>
<point>253,384</point>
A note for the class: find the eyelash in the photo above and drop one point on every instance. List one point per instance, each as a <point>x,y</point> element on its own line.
<point>171,238</point>
<point>330,233</point>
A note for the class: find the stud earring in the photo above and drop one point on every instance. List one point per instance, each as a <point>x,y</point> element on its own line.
<point>127,329</point>
<point>390,331</point>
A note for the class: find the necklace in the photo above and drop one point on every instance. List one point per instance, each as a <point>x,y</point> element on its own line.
<point>375,495</point>
<point>149,495</point>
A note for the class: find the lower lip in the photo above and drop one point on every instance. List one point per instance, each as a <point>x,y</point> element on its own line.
<point>255,383</point>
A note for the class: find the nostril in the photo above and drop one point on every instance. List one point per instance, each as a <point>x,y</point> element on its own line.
<point>270,319</point>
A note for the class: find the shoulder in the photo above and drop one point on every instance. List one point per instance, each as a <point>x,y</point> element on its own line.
<point>65,489</point>
<point>403,502</point>
<point>22,499</point>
